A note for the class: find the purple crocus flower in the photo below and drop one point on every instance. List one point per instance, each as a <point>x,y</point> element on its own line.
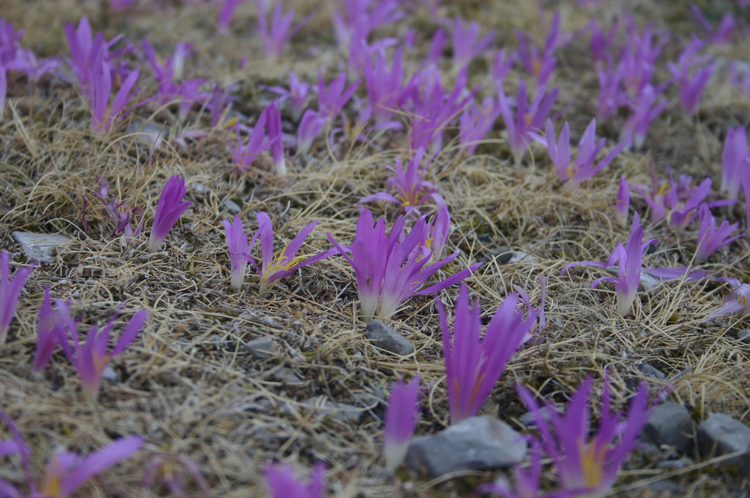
<point>410,191</point>
<point>297,94</point>
<point>280,31</point>
<point>475,123</point>
<point>168,211</point>
<point>225,15</point>
<point>384,85</point>
<point>47,336</point>
<point>10,291</point>
<point>387,268</point>
<point>65,472</point>
<point>737,301</point>
<point>332,99</point>
<point>103,115</point>
<point>91,359</point>
<point>527,480</point>
<point>439,228</point>
<point>589,464</point>
<point>723,33</point>
<point>272,269</point>
<point>309,128</point>
<point>681,212</point>
<point>401,417</point>
<point>611,94</point>
<point>527,117</point>
<point>735,169</point>
<point>584,166</point>
<point>118,5</point>
<point>691,88</point>
<point>623,201</point>
<point>276,137</point>
<point>539,64</point>
<point>643,112</point>
<point>629,261</point>
<point>282,483</point>
<point>711,239</point>
<point>239,250</point>
<point>466,42</point>
<point>244,155</point>
<point>600,42</point>
<point>473,365</point>
<point>501,65</point>
<point>437,45</point>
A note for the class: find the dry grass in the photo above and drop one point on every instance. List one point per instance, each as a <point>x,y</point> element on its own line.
<point>188,386</point>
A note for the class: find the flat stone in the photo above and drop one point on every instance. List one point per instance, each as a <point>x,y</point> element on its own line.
<point>231,206</point>
<point>670,425</point>
<point>529,419</point>
<point>41,246</point>
<point>150,134</point>
<point>340,411</point>
<point>476,443</point>
<point>384,337</point>
<point>744,336</point>
<point>649,370</point>
<point>109,374</point>
<point>262,347</point>
<point>502,255</point>
<point>720,434</point>
<point>286,375</point>
<point>664,486</point>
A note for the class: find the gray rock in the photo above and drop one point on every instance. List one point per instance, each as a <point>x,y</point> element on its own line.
<point>109,374</point>
<point>286,375</point>
<point>502,255</point>
<point>231,206</point>
<point>340,411</point>
<point>720,435</point>
<point>476,443</point>
<point>664,486</point>
<point>744,336</point>
<point>262,347</point>
<point>41,246</point>
<point>151,134</point>
<point>529,419</point>
<point>670,425</point>
<point>679,463</point>
<point>649,370</point>
<point>383,337</point>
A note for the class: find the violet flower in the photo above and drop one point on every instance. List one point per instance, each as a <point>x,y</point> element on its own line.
<point>475,123</point>
<point>589,464</point>
<point>10,291</point>
<point>225,15</point>
<point>438,228</point>
<point>91,359</point>
<point>637,61</point>
<point>309,128</point>
<point>643,112</point>
<point>583,168</point>
<point>332,99</point>
<point>527,118</point>
<point>168,211</point>
<point>119,5</point>
<point>539,64</point>
<point>501,65</point>
<point>103,115</point>
<point>691,89</point>
<point>611,95</point>
<point>711,239</point>
<point>466,42</point>
<point>47,337</point>
<point>239,250</point>
<point>540,310</point>
<point>66,472</point>
<point>170,471</point>
<point>629,261</point>
<point>409,190</point>
<point>600,42</point>
<point>401,417</point>
<point>680,212</point>
<point>437,46</point>
<point>737,301</point>
<point>473,365</point>
<point>384,85</point>
<point>282,483</point>
<point>735,170</point>
<point>297,94</point>
<point>723,33</point>
<point>244,155</point>
<point>623,201</point>
<point>387,268</point>
<point>272,269</point>
<point>280,31</point>
<point>527,481</point>
<point>276,137</point>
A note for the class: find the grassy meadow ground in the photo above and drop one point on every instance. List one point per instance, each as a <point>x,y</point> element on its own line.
<point>189,387</point>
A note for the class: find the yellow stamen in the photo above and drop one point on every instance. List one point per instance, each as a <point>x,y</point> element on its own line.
<point>52,481</point>
<point>281,263</point>
<point>592,459</point>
